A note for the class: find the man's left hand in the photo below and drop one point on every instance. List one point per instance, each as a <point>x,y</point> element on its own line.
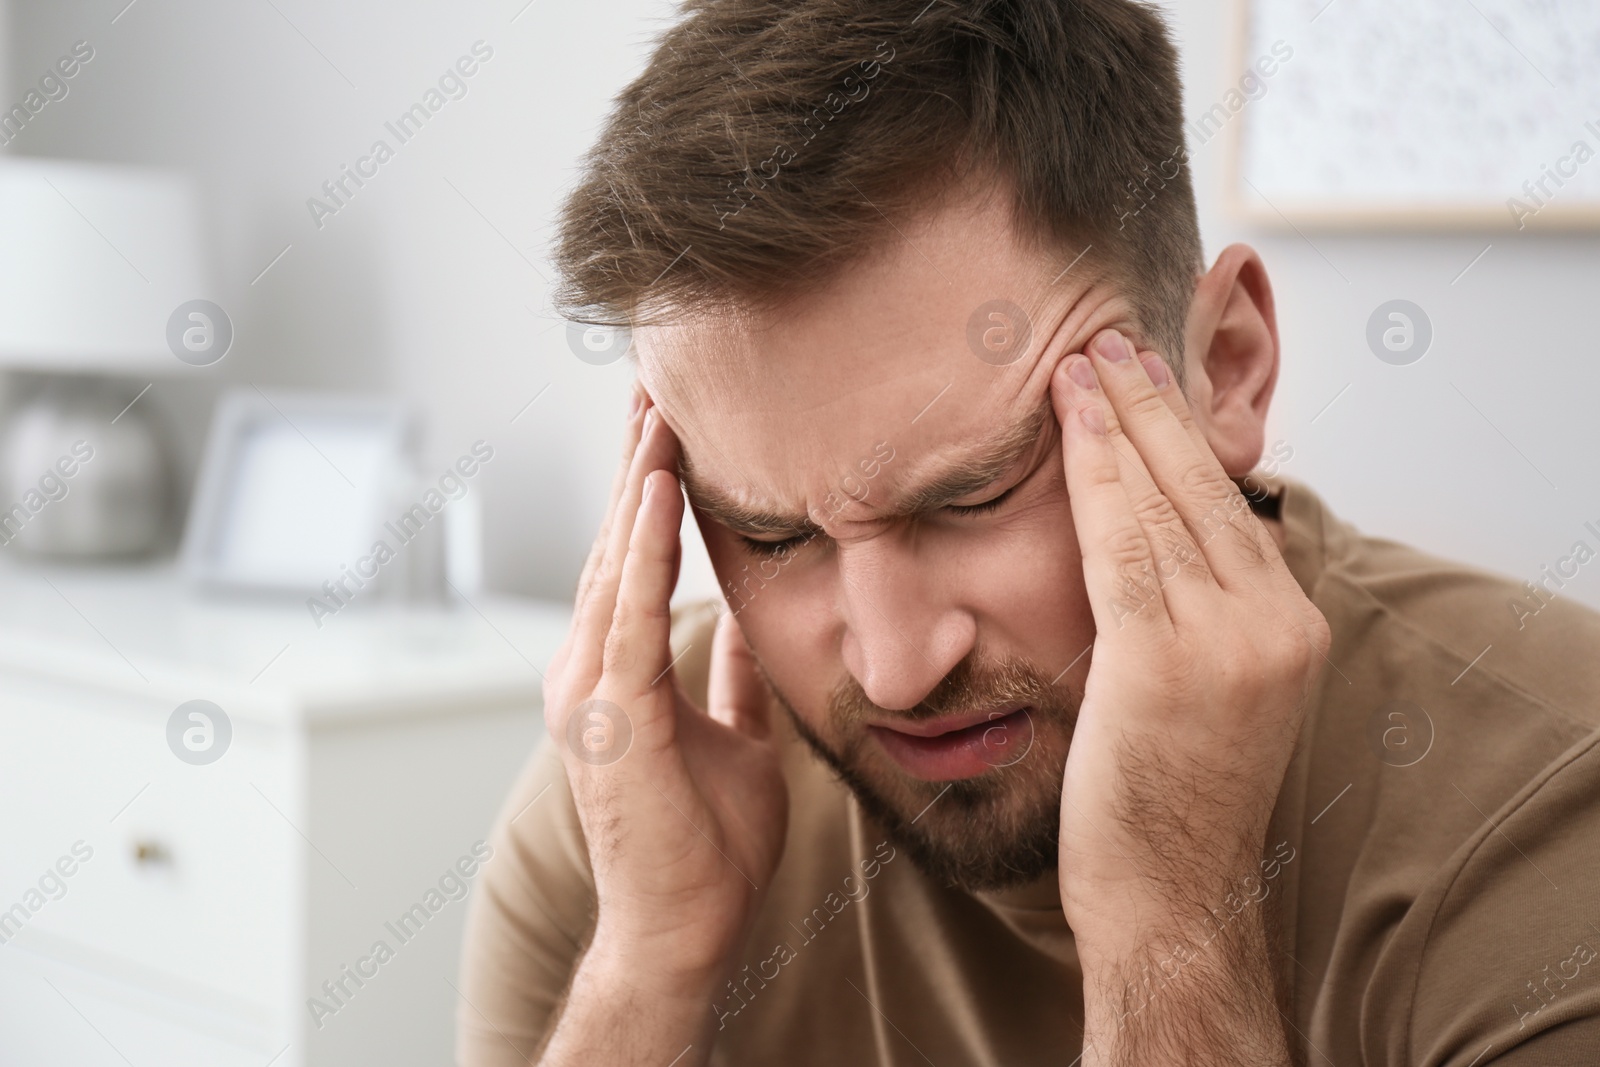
<point>1204,652</point>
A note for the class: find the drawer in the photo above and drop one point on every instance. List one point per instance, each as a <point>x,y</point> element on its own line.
<point>125,854</point>
<point>68,1017</point>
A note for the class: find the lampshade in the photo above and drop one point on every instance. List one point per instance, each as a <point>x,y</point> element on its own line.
<point>94,259</point>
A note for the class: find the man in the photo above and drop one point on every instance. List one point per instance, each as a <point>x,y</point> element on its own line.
<point>1035,728</point>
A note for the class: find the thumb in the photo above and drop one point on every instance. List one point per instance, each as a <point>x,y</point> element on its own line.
<point>736,693</point>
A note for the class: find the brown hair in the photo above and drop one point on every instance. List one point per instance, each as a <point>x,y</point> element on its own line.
<point>767,143</point>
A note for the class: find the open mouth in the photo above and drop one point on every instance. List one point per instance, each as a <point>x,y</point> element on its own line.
<point>957,747</point>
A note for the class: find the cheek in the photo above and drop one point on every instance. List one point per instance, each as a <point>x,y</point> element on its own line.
<point>1026,580</point>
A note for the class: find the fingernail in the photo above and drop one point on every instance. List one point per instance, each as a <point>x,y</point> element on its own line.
<point>1093,418</point>
<point>1156,367</point>
<point>633,404</point>
<point>1080,371</point>
<point>649,420</point>
<point>648,483</point>
<point>1111,347</point>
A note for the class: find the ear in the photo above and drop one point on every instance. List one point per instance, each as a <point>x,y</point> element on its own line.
<point>1231,350</point>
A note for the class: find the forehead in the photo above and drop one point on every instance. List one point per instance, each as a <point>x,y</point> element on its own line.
<point>780,406</point>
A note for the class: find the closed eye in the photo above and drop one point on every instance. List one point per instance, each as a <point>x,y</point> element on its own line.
<point>770,549</point>
<point>980,509</point>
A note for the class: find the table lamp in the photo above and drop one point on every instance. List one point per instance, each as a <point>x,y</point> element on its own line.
<point>95,262</point>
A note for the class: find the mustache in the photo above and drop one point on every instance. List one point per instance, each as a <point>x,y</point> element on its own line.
<point>973,683</point>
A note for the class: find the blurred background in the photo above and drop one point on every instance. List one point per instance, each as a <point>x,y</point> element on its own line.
<point>241,346</point>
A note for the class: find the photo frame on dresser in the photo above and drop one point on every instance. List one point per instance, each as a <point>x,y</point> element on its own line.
<point>293,487</point>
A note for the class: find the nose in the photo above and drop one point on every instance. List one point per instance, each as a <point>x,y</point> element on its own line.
<point>904,627</point>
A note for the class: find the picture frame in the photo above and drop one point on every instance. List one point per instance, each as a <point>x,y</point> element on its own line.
<point>292,488</point>
<point>1411,118</point>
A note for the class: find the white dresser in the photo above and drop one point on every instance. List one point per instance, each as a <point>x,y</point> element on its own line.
<point>163,912</point>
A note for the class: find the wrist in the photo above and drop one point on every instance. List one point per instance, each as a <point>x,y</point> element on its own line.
<point>1124,902</point>
<point>1203,910</point>
<point>622,1009</point>
<point>675,970</point>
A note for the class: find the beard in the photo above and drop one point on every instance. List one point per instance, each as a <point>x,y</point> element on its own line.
<point>996,830</point>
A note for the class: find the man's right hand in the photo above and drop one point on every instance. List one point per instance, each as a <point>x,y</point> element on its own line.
<point>684,810</point>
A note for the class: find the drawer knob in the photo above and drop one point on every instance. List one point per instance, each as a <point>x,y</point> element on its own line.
<point>151,852</point>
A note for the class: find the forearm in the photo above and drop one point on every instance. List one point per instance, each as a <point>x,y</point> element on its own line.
<point>1196,994</point>
<point>622,1011</point>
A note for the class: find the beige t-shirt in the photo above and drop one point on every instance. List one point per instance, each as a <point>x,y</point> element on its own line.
<point>1437,874</point>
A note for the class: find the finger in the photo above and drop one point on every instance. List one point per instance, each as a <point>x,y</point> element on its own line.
<point>1254,566</point>
<point>1118,570</point>
<point>1175,553</point>
<point>736,694</point>
<point>1177,403</point>
<point>1188,480</point>
<point>1179,406</point>
<point>630,444</point>
<point>638,649</point>
<point>595,612</point>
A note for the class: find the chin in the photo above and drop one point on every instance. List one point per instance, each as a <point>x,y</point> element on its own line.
<point>997,830</point>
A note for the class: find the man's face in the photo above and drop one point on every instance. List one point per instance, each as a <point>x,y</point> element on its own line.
<point>887,513</point>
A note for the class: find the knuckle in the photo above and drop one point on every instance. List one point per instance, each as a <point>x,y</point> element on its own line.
<point>1113,421</point>
<point>1127,549</point>
<point>1154,509</point>
<point>1149,405</point>
<point>1184,415</point>
<point>651,610</point>
<point>1319,632</point>
<point>1287,645</point>
<point>1214,523</point>
<point>1177,553</point>
<point>1103,475</point>
<point>1289,651</point>
<point>1136,585</point>
<point>1240,673</point>
<point>1196,479</point>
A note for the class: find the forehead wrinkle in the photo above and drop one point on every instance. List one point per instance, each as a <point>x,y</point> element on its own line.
<point>726,508</point>
<point>974,467</point>
<point>971,467</point>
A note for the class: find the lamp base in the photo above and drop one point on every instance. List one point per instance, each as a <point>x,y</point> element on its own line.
<point>84,473</point>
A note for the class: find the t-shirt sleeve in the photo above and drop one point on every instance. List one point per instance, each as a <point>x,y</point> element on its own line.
<point>1575,1043</point>
<point>527,922</point>
<point>1498,963</point>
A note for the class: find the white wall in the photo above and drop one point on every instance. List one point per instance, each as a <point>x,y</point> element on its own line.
<point>410,290</point>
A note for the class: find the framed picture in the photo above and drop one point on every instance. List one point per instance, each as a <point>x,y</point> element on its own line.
<point>1376,115</point>
<point>293,488</point>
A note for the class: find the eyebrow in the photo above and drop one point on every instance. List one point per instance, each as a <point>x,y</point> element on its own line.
<point>975,468</point>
